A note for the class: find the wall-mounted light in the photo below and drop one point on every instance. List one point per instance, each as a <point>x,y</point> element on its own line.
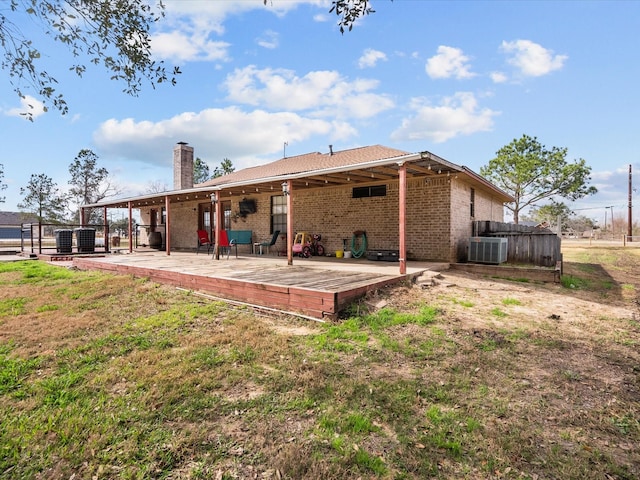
<point>285,188</point>
<point>214,198</point>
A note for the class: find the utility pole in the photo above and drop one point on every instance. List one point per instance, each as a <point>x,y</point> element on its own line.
<point>630,221</point>
<point>613,232</point>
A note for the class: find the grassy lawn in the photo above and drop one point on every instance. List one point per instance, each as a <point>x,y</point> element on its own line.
<point>105,376</point>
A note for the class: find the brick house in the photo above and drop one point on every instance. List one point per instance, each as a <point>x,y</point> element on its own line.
<point>416,203</point>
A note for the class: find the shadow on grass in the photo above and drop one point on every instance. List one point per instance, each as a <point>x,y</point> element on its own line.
<point>591,278</point>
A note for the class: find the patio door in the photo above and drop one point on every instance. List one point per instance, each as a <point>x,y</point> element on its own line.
<point>226,216</point>
<point>204,217</point>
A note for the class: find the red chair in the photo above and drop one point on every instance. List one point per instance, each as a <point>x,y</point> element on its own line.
<point>225,244</point>
<point>203,241</point>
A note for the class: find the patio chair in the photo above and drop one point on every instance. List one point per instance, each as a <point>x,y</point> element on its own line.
<point>203,241</point>
<point>225,244</point>
<point>271,243</point>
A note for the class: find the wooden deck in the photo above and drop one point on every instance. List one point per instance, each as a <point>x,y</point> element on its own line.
<point>316,287</point>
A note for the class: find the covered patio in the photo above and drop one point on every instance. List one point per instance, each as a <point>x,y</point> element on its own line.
<point>318,287</point>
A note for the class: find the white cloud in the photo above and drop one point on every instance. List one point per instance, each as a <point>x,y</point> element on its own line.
<point>188,27</point>
<point>216,133</point>
<point>28,105</point>
<point>454,116</point>
<point>269,39</point>
<point>321,17</point>
<point>370,58</point>
<point>531,59</point>
<point>179,47</point>
<point>498,77</point>
<point>449,62</point>
<point>323,93</point>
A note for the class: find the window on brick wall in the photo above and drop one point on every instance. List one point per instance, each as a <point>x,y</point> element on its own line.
<point>279,213</point>
<point>472,203</point>
<point>372,191</point>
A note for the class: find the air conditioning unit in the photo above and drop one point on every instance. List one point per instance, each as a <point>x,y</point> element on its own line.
<point>487,250</point>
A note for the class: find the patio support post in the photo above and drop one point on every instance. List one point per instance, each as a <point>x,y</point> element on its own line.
<point>290,222</point>
<point>82,216</point>
<point>402,216</point>
<point>167,237</point>
<point>130,228</point>
<point>218,224</point>
<point>106,230</point>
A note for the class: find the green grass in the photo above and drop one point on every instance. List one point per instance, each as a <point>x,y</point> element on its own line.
<point>573,282</point>
<point>154,383</point>
<point>13,306</point>
<point>511,301</point>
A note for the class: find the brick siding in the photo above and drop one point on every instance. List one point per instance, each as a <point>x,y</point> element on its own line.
<point>438,216</point>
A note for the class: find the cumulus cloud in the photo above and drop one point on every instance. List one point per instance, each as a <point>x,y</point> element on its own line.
<point>28,105</point>
<point>532,59</point>
<point>449,62</point>
<point>322,93</point>
<point>370,58</point>
<point>217,133</point>
<point>180,47</point>
<point>454,116</point>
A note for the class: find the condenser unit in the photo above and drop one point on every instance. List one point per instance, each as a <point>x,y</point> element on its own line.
<point>487,250</point>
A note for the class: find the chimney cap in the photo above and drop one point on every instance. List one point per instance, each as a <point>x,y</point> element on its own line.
<point>183,143</point>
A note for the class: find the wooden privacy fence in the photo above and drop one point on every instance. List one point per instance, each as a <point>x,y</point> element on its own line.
<point>533,245</point>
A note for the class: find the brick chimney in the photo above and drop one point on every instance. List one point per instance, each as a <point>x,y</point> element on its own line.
<point>182,166</point>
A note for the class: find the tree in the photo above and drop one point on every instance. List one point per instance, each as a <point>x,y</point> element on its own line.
<point>349,11</point>
<point>201,171</point>
<point>2,185</point>
<point>550,213</point>
<point>530,172</point>
<point>156,186</point>
<point>225,168</point>
<point>114,33</point>
<point>89,184</point>
<point>43,199</point>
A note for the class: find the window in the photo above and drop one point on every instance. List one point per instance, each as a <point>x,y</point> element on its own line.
<point>372,191</point>
<point>472,202</point>
<point>279,213</point>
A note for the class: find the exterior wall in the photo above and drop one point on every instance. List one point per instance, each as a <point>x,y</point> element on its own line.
<point>428,219</point>
<point>485,207</point>
<point>184,225</point>
<point>438,218</point>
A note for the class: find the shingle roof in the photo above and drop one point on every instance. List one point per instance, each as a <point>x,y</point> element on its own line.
<point>312,170</point>
<point>308,162</point>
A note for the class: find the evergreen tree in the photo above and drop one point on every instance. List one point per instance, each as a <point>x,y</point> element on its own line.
<point>43,199</point>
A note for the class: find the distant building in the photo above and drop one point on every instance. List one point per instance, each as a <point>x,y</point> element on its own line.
<point>10,223</point>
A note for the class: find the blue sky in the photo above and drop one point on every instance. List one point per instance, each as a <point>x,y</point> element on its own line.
<point>460,79</point>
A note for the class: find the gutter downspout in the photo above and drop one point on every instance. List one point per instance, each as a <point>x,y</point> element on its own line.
<point>402,215</point>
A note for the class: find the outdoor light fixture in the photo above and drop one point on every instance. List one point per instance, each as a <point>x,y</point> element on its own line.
<point>214,198</point>
<point>285,188</point>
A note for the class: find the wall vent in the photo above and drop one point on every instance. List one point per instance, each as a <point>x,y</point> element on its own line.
<point>487,250</point>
